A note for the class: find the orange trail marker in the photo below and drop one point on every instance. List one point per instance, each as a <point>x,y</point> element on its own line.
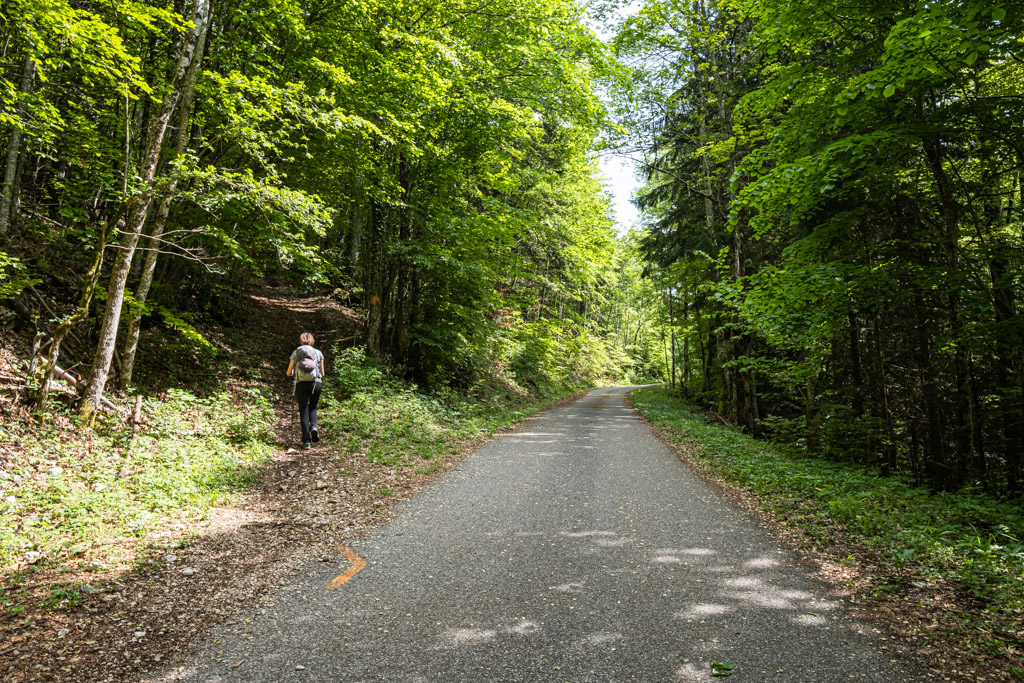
<point>357,564</point>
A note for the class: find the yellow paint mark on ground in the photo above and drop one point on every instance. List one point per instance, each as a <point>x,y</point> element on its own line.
<point>357,564</point>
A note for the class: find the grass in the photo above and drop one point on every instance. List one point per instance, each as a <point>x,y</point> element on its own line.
<point>107,499</point>
<point>906,534</point>
<point>386,421</point>
<point>75,496</point>
<point>407,428</point>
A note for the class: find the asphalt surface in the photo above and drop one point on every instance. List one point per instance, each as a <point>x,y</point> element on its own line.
<point>576,548</point>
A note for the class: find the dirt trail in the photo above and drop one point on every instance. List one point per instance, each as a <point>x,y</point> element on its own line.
<point>305,506</point>
<point>279,316</point>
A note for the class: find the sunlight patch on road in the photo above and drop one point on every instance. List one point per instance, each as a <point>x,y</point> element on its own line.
<point>678,555</point>
<point>761,563</point>
<point>766,600</point>
<point>469,636</point>
<point>614,542</point>
<point>603,638</point>
<point>811,620</point>
<point>523,628</point>
<point>694,672</point>
<point>704,610</point>
<point>569,588</point>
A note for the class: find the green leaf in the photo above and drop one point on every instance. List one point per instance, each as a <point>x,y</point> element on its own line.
<point>722,668</point>
<point>890,90</point>
<point>999,14</point>
<point>971,58</point>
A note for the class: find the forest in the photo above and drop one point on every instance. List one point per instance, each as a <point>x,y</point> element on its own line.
<point>834,197</point>
<point>433,170</point>
<point>829,257</point>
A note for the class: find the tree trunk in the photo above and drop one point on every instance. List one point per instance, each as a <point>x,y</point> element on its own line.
<point>16,192</point>
<point>131,343</point>
<point>672,330</point>
<point>373,281</point>
<point>812,423</point>
<point>705,357</point>
<point>403,269</point>
<point>1008,363</point>
<point>935,464</point>
<point>14,151</point>
<point>137,218</point>
<point>686,363</point>
<point>979,465</point>
<point>880,406</point>
<point>950,211</point>
<point>62,331</point>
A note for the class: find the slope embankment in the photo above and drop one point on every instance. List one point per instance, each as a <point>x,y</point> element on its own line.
<point>127,543</point>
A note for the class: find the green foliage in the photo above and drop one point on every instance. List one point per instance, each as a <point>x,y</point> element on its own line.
<point>67,597</point>
<point>835,201</point>
<point>722,668</point>
<point>374,415</point>
<point>178,322</point>
<point>443,169</point>
<point>193,454</point>
<point>13,277</point>
<point>356,373</point>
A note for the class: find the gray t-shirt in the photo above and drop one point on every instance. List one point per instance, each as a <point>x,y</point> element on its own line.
<point>298,355</point>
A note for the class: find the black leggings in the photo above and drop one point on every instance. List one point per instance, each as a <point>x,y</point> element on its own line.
<point>308,394</point>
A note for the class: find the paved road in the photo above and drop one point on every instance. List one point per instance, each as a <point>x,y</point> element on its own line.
<point>577,548</point>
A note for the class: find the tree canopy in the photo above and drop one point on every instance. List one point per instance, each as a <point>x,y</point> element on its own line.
<point>836,192</point>
<point>434,164</point>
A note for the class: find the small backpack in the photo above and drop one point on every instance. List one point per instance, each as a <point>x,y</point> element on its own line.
<point>306,368</point>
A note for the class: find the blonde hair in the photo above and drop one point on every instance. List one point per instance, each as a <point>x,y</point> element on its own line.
<point>306,338</point>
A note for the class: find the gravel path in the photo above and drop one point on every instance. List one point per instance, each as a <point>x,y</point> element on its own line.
<point>576,548</point>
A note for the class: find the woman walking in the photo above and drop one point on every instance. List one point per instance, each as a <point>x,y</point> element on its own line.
<point>307,366</point>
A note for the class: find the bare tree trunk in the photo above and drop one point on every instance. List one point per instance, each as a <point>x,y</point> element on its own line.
<point>28,74</point>
<point>1008,364</point>
<point>672,334</point>
<point>131,343</point>
<point>137,218</point>
<point>62,331</point>
<point>956,471</point>
<point>16,193</point>
<point>685,379</point>
<point>354,238</point>
<point>811,414</point>
<point>936,465</point>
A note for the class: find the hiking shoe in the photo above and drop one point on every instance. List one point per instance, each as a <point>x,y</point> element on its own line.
<point>306,445</point>
<point>314,434</point>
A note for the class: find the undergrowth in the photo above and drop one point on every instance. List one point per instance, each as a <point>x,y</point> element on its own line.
<point>908,535</point>
<point>78,495</point>
<point>102,499</point>
<point>367,410</point>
